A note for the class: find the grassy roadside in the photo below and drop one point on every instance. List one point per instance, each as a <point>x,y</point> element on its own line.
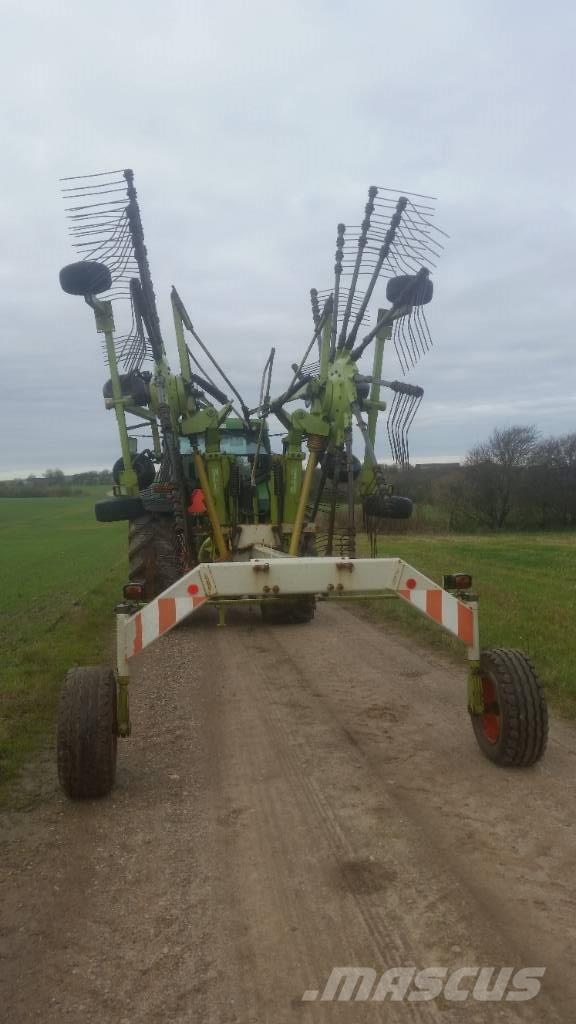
<point>527,588</point>
<point>61,574</point>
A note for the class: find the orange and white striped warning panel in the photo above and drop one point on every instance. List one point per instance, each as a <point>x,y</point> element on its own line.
<point>458,617</point>
<point>160,616</point>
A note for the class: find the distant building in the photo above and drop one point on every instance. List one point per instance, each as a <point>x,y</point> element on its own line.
<point>437,467</point>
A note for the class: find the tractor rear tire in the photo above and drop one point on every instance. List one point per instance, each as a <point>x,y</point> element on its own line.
<point>288,611</point>
<point>87,733</point>
<point>152,556</point>
<point>512,729</point>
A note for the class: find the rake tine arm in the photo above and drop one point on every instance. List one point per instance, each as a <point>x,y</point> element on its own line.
<point>337,276</point>
<point>362,241</point>
<point>383,255</point>
<point>183,313</point>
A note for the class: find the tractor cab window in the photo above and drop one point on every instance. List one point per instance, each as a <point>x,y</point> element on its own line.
<point>231,442</point>
<point>237,444</point>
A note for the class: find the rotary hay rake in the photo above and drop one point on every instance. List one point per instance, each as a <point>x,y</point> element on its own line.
<point>215,516</point>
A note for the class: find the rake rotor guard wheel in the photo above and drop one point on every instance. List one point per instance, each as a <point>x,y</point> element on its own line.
<point>143,467</point>
<point>85,278</point>
<point>277,611</point>
<point>409,290</point>
<point>513,728</point>
<point>115,510</point>
<point>384,506</point>
<point>87,733</point>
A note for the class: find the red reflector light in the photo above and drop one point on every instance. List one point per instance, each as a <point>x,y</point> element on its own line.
<point>193,588</point>
<point>458,581</point>
<point>410,583</point>
<point>134,591</point>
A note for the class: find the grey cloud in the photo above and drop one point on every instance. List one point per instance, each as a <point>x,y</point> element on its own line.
<point>253,129</point>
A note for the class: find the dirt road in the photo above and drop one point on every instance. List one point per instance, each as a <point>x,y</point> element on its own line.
<point>292,799</point>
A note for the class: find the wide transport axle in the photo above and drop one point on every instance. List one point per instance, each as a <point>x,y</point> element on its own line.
<point>272,575</point>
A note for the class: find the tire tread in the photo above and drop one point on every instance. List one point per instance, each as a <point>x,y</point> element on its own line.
<point>523,709</point>
<point>86,733</point>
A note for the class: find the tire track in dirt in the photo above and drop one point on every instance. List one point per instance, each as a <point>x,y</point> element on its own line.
<point>292,799</point>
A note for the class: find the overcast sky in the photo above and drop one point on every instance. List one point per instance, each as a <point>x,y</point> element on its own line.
<point>253,128</point>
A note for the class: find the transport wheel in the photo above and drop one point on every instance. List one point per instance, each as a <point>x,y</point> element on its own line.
<point>279,611</point>
<point>512,729</point>
<point>152,557</point>
<point>304,609</point>
<point>87,733</point>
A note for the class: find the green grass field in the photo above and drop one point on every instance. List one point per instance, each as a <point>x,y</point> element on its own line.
<point>527,589</point>
<point>61,573</point>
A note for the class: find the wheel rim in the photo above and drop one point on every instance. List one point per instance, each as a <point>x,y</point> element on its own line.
<point>491,712</point>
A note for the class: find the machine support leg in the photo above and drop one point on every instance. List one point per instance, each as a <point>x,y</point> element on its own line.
<point>304,498</point>
<point>475,697</point>
<point>123,727</point>
<point>211,507</point>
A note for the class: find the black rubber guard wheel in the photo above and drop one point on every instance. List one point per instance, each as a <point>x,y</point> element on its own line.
<point>513,727</point>
<point>87,733</point>
<point>279,611</point>
<point>152,556</point>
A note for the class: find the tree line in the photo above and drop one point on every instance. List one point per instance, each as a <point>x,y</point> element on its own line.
<point>513,480</point>
<point>53,483</point>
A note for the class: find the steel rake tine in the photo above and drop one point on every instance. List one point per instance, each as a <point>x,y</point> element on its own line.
<point>417,195</point>
<point>427,224</point>
<point>389,427</point>
<point>410,413</point>
<point>406,342</point>
<point>85,195</point>
<point>92,206</point>
<point>417,251</point>
<point>399,348</point>
<point>94,188</point>
<point>420,316</point>
<point>420,243</point>
<point>406,406</point>
<point>413,346</point>
<point>394,434</point>
<point>409,333</point>
<point>401,264</point>
<point>420,336</point>
<point>83,231</point>
<point>424,228</point>
<point>113,244</point>
<point>100,174</point>
<point>415,408</point>
<point>414,328</point>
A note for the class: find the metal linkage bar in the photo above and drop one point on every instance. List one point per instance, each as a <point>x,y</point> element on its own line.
<point>266,577</point>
